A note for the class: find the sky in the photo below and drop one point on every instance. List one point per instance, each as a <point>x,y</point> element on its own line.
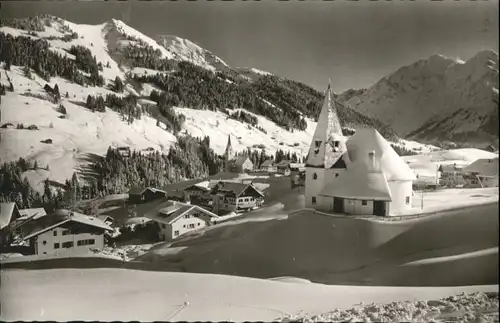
<point>352,43</point>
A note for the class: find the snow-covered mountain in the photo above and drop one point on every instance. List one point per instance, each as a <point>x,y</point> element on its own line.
<point>278,113</point>
<point>437,99</point>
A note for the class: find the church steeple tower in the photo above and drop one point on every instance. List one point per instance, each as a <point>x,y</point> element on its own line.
<point>228,154</point>
<point>328,143</point>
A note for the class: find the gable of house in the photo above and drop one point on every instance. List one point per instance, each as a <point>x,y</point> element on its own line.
<point>8,212</point>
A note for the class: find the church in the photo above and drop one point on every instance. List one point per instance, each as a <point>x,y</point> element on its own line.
<point>360,176</point>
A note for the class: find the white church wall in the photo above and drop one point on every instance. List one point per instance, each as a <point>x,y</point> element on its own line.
<point>314,185</point>
<point>401,192</point>
<point>356,207</point>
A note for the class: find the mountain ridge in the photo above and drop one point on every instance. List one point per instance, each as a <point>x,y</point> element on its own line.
<point>436,99</point>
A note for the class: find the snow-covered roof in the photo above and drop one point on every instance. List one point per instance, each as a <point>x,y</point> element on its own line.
<point>392,165</point>
<point>322,151</point>
<point>174,211</point>
<point>6,211</point>
<point>240,160</point>
<point>360,182</point>
<point>35,213</point>
<point>233,188</point>
<point>484,167</point>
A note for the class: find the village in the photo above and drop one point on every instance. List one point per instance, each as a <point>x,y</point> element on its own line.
<point>359,176</point>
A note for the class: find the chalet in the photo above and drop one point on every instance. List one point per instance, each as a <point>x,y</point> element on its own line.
<point>176,219</point>
<point>451,175</point>
<point>268,166</point>
<point>241,164</point>
<point>178,195</point>
<point>64,231</point>
<point>235,197</point>
<point>362,175</point>
<point>8,213</point>
<point>142,195</point>
<point>199,193</point>
<point>283,167</point>
<point>124,151</point>
<point>482,173</point>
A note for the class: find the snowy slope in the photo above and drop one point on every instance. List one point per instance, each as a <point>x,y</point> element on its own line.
<point>453,96</point>
<point>129,295</point>
<point>81,133</point>
<point>186,50</point>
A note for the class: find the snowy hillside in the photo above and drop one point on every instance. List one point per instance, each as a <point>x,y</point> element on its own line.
<point>437,99</point>
<point>93,60</point>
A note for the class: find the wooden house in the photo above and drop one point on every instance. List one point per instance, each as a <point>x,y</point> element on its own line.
<point>176,218</point>
<point>235,197</point>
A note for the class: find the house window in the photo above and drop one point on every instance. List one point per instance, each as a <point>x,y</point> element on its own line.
<point>336,174</point>
<point>44,242</point>
<point>314,200</point>
<point>85,242</point>
<point>66,232</point>
<point>191,226</point>
<point>176,233</point>
<point>163,225</point>
<point>199,223</point>
<point>315,176</point>
<point>55,233</point>
<point>407,200</point>
<point>317,143</point>
<point>56,245</point>
<point>364,202</point>
<point>67,244</point>
<point>336,144</point>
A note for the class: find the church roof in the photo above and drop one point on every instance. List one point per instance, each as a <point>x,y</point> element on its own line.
<point>322,151</point>
<point>391,164</point>
<point>360,181</point>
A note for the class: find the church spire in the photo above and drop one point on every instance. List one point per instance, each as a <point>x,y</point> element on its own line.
<point>328,143</point>
<point>228,153</point>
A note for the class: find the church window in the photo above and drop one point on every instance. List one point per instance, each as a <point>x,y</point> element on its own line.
<point>315,176</point>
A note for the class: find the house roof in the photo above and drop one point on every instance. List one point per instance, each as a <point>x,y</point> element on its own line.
<point>59,217</point>
<point>34,213</point>
<point>240,160</point>
<point>236,188</point>
<point>172,211</point>
<point>322,152</point>
<point>140,190</point>
<point>485,167</point>
<point>267,163</point>
<point>6,211</point>
<point>360,182</point>
<point>392,165</point>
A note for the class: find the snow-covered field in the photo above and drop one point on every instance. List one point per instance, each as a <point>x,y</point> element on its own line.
<point>426,164</point>
<point>129,295</point>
